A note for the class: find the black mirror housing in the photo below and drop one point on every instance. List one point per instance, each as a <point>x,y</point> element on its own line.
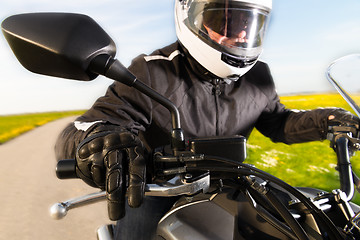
<point>74,46</point>
<point>57,44</point>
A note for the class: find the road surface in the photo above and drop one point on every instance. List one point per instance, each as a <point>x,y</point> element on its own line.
<point>29,187</point>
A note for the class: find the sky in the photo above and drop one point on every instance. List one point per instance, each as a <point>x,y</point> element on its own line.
<point>303,38</point>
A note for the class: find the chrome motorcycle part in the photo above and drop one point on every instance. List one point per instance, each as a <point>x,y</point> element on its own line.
<point>174,187</point>
<point>105,232</point>
<point>59,210</point>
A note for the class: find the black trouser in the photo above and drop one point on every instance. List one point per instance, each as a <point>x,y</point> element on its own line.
<point>141,223</point>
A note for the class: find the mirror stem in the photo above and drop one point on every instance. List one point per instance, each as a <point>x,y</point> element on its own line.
<point>113,69</point>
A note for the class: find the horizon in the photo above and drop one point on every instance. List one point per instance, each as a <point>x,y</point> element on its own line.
<point>334,92</point>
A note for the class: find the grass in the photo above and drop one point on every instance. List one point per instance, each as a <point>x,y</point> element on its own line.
<point>12,126</point>
<point>306,164</point>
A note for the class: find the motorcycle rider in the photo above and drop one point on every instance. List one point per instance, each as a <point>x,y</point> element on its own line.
<point>213,75</point>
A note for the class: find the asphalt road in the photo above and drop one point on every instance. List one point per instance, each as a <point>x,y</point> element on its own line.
<point>29,187</point>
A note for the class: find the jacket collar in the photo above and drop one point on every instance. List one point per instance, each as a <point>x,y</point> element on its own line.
<point>201,72</point>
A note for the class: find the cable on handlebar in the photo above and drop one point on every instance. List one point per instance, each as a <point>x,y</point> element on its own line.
<point>286,215</point>
<point>245,169</point>
<point>271,219</point>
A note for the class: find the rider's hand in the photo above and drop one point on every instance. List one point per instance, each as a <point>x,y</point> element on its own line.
<point>340,121</point>
<point>111,160</point>
<point>341,117</point>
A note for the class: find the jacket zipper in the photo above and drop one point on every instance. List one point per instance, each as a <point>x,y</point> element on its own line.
<point>216,92</point>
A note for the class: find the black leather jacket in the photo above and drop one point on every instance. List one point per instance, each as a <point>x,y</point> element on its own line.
<point>208,106</point>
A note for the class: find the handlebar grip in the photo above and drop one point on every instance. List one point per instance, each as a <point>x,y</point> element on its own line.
<point>65,169</point>
<point>344,167</point>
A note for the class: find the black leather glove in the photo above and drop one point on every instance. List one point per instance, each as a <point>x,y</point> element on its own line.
<point>341,117</point>
<point>340,120</point>
<point>113,161</point>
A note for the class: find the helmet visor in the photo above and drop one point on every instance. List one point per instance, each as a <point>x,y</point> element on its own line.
<point>229,27</point>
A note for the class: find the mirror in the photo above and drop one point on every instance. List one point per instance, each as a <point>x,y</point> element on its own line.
<point>57,44</point>
<point>74,46</point>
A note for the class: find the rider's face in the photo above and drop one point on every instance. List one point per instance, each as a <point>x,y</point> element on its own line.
<point>224,40</point>
<point>232,32</point>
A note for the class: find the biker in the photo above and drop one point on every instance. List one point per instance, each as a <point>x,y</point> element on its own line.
<point>214,76</point>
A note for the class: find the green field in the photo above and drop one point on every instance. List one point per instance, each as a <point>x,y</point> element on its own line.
<point>14,125</point>
<point>307,164</point>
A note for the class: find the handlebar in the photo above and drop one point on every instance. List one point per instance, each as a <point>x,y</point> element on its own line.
<point>181,186</point>
<point>174,187</point>
<point>66,169</point>
<point>344,167</point>
<point>185,184</point>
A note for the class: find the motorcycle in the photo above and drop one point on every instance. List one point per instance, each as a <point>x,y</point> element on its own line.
<point>221,196</point>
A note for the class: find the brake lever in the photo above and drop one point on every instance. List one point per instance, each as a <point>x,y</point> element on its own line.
<point>174,187</point>
<point>336,132</point>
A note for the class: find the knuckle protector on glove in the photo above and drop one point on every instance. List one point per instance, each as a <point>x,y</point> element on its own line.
<point>137,174</point>
<point>105,159</point>
<point>92,151</point>
<point>89,159</point>
<point>342,117</point>
<point>115,184</point>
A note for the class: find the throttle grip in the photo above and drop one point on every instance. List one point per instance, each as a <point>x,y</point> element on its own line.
<point>66,169</point>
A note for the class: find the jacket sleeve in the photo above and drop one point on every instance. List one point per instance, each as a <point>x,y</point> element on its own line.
<point>306,126</point>
<point>271,121</point>
<point>284,125</point>
<point>67,142</point>
<point>294,126</point>
<point>121,106</point>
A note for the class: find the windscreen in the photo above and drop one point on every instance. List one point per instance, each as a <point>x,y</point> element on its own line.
<point>344,75</point>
